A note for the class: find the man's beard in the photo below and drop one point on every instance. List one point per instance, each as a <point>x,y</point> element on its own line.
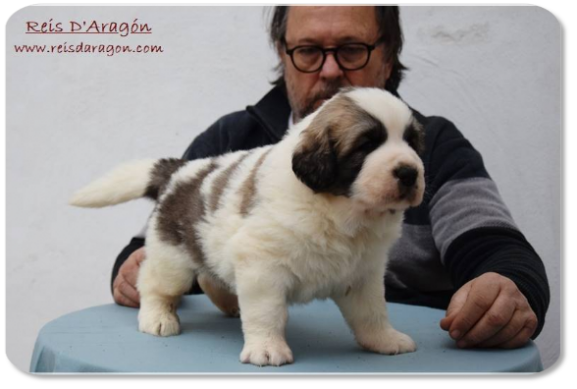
<point>300,109</point>
<point>304,108</point>
<point>307,107</point>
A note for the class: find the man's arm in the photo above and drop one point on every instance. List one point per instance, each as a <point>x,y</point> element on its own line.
<point>503,293</point>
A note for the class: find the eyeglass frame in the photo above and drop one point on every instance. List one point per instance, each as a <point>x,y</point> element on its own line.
<point>334,50</point>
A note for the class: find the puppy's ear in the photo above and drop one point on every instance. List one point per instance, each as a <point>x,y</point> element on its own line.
<point>415,136</point>
<point>315,160</point>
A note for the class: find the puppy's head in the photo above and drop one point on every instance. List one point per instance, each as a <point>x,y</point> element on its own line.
<point>364,144</point>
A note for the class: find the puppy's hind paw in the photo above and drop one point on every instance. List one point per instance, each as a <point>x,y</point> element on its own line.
<point>274,353</point>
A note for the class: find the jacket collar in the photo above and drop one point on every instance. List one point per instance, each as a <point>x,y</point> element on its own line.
<point>272,112</point>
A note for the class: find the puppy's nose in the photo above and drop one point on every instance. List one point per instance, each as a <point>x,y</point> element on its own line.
<point>406,175</point>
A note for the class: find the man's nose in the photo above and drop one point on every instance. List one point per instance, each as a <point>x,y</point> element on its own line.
<point>331,68</point>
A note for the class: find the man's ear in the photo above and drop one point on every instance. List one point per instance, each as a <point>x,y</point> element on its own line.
<point>315,160</point>
<point>388,70</point>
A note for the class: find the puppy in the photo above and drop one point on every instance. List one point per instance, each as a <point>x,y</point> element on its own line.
<point>311,217</point>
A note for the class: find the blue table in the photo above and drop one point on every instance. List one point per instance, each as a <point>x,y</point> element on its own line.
<point>106,339</point>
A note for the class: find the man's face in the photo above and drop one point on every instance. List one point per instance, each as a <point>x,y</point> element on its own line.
<point>330,27</point>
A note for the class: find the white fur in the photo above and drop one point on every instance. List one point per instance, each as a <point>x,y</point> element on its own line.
<point>293,246</point>
<point>372,100</point>
<point>126,182</point>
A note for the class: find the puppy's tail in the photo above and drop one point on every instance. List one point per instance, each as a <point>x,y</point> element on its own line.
<point>145,178</point>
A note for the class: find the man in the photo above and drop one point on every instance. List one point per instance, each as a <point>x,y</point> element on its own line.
<point>460,249</point>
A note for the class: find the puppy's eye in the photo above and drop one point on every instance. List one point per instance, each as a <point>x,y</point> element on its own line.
<point>369,141</point>
<point>365,143</point>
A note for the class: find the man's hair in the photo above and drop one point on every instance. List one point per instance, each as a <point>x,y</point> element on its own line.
<point>389,32</point>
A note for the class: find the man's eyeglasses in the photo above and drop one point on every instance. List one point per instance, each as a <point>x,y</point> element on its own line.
<point>350,56</point>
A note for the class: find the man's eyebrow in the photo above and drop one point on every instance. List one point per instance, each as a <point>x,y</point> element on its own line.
<point>350,39</point>
<point>315,42</point>
<point>304,41</point>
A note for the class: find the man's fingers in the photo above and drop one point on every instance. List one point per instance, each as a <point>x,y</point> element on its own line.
<point>501,318</point>
<point>446,322</point>
<point>494,313</point>
<point>130,274</point>
<point>129,271</point>
<point>122,299</point>
<point>479,300</point>
<point>520,339</point>
<point>507,333</point>
<point>517,332</point>
<point>129,291</point>
<point>124,286</point>
<point>125,292</point>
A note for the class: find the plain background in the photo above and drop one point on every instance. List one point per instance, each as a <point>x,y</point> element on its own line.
<point>494,71</point>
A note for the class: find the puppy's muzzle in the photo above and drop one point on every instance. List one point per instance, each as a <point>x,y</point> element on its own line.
<point>406,177</point>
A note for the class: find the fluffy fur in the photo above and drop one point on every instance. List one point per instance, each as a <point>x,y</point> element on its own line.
<point>310,217</point>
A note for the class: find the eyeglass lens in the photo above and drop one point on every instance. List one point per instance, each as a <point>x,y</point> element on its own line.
<point>350,57</point>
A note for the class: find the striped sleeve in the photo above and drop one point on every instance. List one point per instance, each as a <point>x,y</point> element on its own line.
<point>471,226</point>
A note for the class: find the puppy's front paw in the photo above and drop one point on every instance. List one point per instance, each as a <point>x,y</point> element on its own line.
<point>267,352</point>
<point>389,341</point>
<point>165,324</point>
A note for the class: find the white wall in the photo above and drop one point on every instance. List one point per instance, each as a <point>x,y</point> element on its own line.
<point>494,71</point>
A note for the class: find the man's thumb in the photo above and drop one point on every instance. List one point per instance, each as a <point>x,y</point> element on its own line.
<point>457,302</point>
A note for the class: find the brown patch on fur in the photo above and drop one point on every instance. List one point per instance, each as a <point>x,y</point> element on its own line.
<point>160,176</point>
<point>181,211</point>
<point>333,148</point>
<point>248,188</point>
<point>220,183</point>
<point>344,122</point>
<point>219,294</point>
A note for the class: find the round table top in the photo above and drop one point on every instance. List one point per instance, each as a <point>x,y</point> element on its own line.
<point>106,339</point>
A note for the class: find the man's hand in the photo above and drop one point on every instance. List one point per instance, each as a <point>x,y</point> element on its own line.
<point>489,311</point>
<point>124,286</point>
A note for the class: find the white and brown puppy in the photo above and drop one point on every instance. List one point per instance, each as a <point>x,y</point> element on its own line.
<point>310,217</point>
